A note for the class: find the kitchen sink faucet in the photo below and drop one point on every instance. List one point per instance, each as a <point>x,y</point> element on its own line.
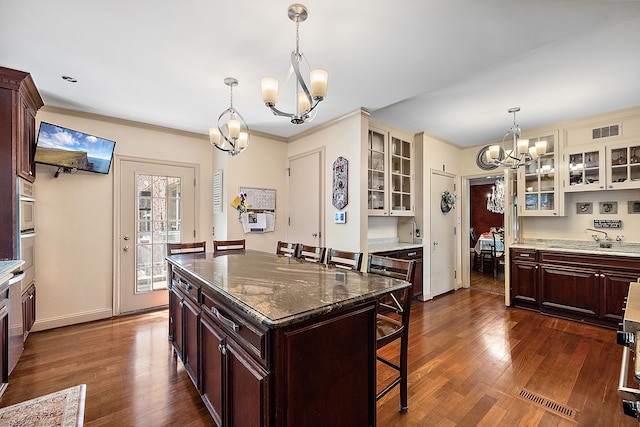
<point>595,236</point>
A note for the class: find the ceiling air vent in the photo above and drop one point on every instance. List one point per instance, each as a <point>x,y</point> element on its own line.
<point>605,132</point>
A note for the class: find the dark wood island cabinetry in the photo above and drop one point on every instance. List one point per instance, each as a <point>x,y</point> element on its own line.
<point>277,341</point>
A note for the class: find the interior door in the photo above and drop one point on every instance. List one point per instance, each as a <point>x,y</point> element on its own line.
<point>442,250</point>
<point>305,199</point>
<point>156,207</point>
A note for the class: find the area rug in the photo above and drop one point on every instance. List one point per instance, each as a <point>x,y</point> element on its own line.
<point>64,408</point>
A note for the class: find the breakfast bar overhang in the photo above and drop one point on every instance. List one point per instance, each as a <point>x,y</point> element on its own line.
<point>277,341</point>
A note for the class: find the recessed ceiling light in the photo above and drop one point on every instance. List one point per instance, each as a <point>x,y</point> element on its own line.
<point>69,79</point>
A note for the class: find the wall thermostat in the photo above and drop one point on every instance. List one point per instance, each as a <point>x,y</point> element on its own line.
<point>340,217</point>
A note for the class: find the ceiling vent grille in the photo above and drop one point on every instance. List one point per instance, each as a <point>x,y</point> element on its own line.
<point>605,132</point>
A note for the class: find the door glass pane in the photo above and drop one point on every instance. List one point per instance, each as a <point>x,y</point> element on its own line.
<point>158,222</point>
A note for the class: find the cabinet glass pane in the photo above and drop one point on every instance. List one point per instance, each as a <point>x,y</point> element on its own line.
<point>635,172</point>
<point>546,201</point>
<point>531,202</point>
<point>619,156</point>
<point>618,174</point>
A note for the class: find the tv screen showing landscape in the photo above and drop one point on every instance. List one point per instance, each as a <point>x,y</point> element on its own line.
<point>71,149</point>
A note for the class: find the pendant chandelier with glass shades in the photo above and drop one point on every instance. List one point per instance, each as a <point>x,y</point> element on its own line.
<point>232,132</point>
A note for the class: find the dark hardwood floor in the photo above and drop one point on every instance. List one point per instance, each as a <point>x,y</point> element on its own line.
<point>470,357</point>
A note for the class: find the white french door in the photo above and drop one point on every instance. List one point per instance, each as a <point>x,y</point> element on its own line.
<point>156,207</point>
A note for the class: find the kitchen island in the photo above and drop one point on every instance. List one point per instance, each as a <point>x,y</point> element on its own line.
<point>273,340</point>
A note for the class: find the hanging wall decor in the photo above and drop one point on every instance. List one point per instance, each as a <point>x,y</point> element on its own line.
<point>447,202</point>
<point>340,179</point>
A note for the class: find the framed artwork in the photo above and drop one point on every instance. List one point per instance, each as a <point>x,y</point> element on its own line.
<point>633,207</point>
<point>584,208</point>
<point>608,207</point>
<point>340,182</point>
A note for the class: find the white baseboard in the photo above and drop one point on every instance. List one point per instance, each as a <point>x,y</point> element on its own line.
<point>72,319</point>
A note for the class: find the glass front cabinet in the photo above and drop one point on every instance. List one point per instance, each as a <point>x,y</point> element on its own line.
<point>390,174</point>
<point>610,167</point>
<point>538,182</point>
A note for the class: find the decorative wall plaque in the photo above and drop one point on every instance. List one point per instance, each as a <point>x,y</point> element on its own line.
<point>340,180</point>
<point>608,207</point>
<point>584,208</point>
<point>633,207</point>
<point>607,223</point>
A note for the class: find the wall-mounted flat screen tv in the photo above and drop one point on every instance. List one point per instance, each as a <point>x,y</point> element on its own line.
<point>73,150</point>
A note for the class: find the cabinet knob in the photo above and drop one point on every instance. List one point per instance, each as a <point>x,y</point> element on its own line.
<point>222,348</point>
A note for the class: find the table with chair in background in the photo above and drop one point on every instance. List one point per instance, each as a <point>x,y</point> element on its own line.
<point>489,252</point>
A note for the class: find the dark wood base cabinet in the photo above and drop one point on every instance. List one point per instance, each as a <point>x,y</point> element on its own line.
<point>587,287</point>
<point>409,254</point>
<point>28,310</point>
<point>318,372</point>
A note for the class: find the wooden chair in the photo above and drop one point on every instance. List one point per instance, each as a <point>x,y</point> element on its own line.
<point>392,319</point>
<point>286,249</point>
<point>496,255</point>
<point>344,259</point>
<point>228,245</point>
<point>311,253</point>
<point>186,248</point>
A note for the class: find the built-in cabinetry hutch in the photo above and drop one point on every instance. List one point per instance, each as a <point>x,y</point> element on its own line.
<point>539,182</point>
<point>390,172</point>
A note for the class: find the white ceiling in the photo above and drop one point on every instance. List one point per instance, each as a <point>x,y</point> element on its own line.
<point>451,68</point>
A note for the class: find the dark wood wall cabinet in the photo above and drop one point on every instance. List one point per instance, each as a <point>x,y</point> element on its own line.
<point>19,103</point>
<point>586,287</point>
<point>409,254</point>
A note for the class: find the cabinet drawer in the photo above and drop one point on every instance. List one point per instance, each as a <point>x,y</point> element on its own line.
<point>523,254</point>
<point>251,336</point>
<point>192,291</point>
<point>413,253</point>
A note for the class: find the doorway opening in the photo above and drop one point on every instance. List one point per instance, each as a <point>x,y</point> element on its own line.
<point>486,263</point>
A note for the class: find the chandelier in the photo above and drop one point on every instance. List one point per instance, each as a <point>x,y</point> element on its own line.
<point>520,153</point>
<point>495,200</point>
<point>306,100</point>
<point>232,133</point>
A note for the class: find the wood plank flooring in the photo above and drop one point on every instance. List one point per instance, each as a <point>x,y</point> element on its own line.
<point>470,357</point>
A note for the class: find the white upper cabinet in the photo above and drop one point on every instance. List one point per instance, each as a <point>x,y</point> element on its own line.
<point>390,174</point>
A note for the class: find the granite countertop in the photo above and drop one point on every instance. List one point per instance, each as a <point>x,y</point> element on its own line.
<point>582,246</point>
<point>277,290</point>
<point>383,245</point>
<point>6,267</point>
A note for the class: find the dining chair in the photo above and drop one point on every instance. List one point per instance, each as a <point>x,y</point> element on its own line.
<point>311,253</point>
<point>497,256</point>
<point>286,248</point>
<point>392,320</point>
<point>186,248</point>
<point>344,259</point>
<point>228,245</point>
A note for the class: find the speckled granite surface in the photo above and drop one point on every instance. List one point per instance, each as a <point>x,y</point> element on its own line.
<point>277,290</point>
<point>6,267</point>
<point>582,246</point>
<point>391,244</point>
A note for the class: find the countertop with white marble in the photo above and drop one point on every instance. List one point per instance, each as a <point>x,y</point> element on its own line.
<point>602,247</point>
<point>391,244</point>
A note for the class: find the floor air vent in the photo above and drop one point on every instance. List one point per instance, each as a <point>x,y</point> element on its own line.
<point>549,405</point>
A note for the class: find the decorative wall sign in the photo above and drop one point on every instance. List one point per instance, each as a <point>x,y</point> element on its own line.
<point>340,181</point>
<point>584,208</point>
<point>607,223</point>
<point>633,207</point>
<point>608,207</point>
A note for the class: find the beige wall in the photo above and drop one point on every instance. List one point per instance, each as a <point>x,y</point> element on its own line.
<point>340,138</point>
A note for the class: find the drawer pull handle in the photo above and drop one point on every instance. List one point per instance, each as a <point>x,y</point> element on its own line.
<point>227,322</point>
<point>524,255</point>
<point>412,254</point>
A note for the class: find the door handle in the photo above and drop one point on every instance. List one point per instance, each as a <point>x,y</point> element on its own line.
<point>126,237</point>
<point>126,248</point>
<point>315,234</point>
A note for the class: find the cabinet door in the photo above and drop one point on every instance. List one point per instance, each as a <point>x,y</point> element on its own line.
<point>248,389</point>
<point>26,142</point>
<point>401,175</point>
<point>28,310</point>
<point>538,182</point>
<point>191,319</point>
<point>584,170</point>
<point>175,321</point>
<point>524,284</point>
<point>615,287</point>
<point>212,381</point>
<point>574,291</point>
<point>377,172</point>
<point>623,165</point>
